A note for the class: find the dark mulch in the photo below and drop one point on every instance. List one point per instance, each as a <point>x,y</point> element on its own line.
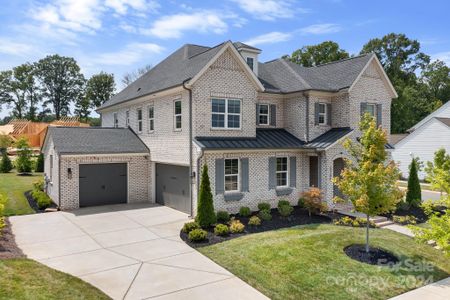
<point>33,203</point>
<point>299,217</point>
<point>8,246</point>
<point>417,212</point>
<point>375,256</point>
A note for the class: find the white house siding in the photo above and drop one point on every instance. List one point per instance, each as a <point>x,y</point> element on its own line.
<point>258,179</point>
<point>422,143</point>
<point>370,88</point>
<point>139,177</point>
<point>224,78</point>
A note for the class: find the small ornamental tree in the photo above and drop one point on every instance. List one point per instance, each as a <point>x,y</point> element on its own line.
<point>414,193</point>
<point>5,163</point>
<point>23,161</point>
<point>369,181</point>
<point>438,171</point>
<point>205,206</point>
<point>40,163</point>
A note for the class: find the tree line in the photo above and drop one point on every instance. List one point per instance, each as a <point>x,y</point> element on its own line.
<point>45,90</point>
<point>422,84</point>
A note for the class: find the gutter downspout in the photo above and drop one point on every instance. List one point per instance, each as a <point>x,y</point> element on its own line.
<point>191,174</point>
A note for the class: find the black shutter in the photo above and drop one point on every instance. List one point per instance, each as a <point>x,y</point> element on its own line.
<point>220,176</point>
<point>272,171</point>
<point>379,114</point>
<point>316,113</point>
<point>257,114</point>
<point>273,115</point>
<point>244,175</point>
<point>329,114</point>
<point>293,171</point>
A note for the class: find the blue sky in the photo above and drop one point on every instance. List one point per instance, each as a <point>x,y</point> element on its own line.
<point>117,36</point>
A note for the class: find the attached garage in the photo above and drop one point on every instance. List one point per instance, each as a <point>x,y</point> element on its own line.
<point>96,166</point>
<point>172,187</point>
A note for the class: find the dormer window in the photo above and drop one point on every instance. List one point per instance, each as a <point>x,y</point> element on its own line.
<point>250,62</point>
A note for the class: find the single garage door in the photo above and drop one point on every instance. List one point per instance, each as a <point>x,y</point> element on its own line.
<point>172,187</point>
<point>102,184</point>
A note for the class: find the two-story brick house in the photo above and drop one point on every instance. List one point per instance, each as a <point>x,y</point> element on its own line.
<point>267,131</point>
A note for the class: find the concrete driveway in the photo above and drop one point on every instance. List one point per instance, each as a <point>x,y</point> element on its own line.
<point>128,251</point>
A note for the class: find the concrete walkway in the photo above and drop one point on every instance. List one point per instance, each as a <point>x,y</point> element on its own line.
<point>127,251</point>
<point>400,229</point>
<point>439,290</point>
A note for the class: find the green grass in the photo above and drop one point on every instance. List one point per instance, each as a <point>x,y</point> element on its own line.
<point>14,187</point>
<point>27,279</point>
<point>308,262</point>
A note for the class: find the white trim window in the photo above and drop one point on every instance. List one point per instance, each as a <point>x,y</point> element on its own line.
<point>139,119</point>
<point>177,114</point>
<point>250,62</point>
<point>231,175</point>
<point>116,120</point>
<point>282,172</point>
<point>371,108</point>
<point>151,118</point>
<point>264,111</point>
<point>226,113</point>
<point>127,118</point>
<point>322,113</point>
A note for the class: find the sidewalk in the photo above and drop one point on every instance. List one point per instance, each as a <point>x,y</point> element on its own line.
<point>439,290</point>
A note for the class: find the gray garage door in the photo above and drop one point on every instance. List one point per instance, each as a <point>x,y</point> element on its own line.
<point>102,184</point>
<point>172,187</point>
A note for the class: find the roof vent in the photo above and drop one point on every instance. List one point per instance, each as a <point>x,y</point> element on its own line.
<point>138,89</point>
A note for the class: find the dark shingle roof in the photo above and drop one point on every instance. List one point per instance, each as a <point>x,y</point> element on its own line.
<point>95,140</point>
<point>328,138</point>
<point>265,139</point>
<point>239,45</point>
<point>446,121</point>
<point>395,138</point>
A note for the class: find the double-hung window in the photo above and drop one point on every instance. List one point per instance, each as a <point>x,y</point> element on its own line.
<point>250,62</point>
<point>177,114</point>
<point>139,119</point>
<point>127,118</point>
<point>226,113</point>
<point>116,120</point>
<point>282,171</point>
<point>322,113</point>
<point>231,175</point>
<point>371,109</point>
<point>263,114</point>
<point>151,118</point>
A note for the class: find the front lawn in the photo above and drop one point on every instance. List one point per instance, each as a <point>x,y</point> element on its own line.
<point>308,262</point>
<point>14,187</point>
<point>27,279</point>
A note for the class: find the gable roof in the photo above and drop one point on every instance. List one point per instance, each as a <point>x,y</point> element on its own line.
<point>329,138</point>
<point>437,112</point>
<point>446,121</point>
<point>95,140</point>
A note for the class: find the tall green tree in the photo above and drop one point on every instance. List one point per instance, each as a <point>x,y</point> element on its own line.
<point>62,82</point>
<point>436,76</point>
<point>23,160</point>
<point>83,107</point>
<point>438,171</point>
<point>100,88</point>
<point>414,192</point>
<point>313,55</point>
<point>5,163</point>
<point>19,91</point>
<point>368,180</point>
<point>205,206</point>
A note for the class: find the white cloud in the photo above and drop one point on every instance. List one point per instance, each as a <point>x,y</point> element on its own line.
<point>173,26</point>
<point>121,6</point>
<point>132,53</point>
<point>321,28</point>
<point>7,46</point>
<point>267,9</point>
<point>444,56</point>
<point>269,38</point>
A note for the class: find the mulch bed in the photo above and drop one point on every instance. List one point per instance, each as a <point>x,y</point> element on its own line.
<point>417,212</point>
<point>34,205</point>
<point>8,246</point>
<point>298,217</point>
<point>375,256</point>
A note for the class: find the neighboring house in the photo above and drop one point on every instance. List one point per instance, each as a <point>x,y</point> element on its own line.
<point>423,140</point>
<point>267,131</point>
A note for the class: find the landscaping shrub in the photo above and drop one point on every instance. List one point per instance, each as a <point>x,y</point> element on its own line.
<point>313,201</point>
<point>432,206</point>
<point>414,193</point>
<point>5,164</point>
<point>403,205</point>
<point>221,230</point>
<point>189,226</point>
<point>301,202</point>
<point>254,221</point>
<point>197,235</point>
<point>404,220</point>
<point>42,199</point>
<point>39,185</point>
<point>265,215</point>
<point>39,163</point>
<point>205,207</point>
<point>223,216</point>
<point>236,226</point>
<point>283,203</point>
<point>23,161</point>
<point>244,211</point>
<point>2,207</point>
<point>264,206</point>
<point>357,222</point>
<point>285,210</point>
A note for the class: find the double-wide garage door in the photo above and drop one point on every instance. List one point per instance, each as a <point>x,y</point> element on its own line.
<point>172,187</point>
<point>102,184</point>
